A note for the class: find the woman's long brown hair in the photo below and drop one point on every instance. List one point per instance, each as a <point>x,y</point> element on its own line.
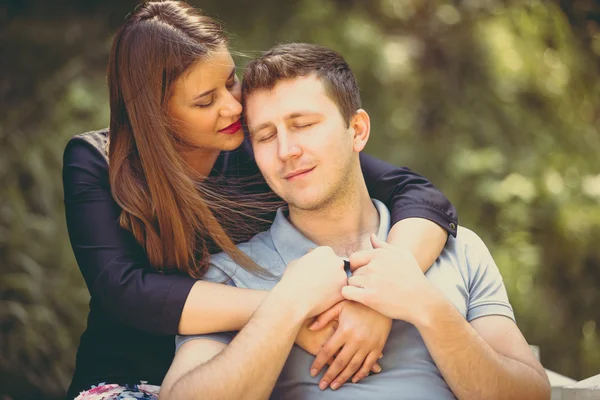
<point>163,205</point>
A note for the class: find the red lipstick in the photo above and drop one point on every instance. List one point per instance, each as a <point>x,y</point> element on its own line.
<point>233,128</point>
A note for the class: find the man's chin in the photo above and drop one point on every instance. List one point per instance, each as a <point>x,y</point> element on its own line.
<point>305,204</point>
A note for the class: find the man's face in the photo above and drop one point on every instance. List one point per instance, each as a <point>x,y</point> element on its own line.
<point>301,142</point>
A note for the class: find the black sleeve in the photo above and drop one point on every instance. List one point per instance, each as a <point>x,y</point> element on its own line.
<point>114,266</point>
<point>407,194</point>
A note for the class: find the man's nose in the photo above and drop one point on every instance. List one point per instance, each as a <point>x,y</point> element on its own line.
<point>288,148</point>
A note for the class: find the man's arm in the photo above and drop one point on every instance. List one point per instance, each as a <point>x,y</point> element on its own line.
<point>485,359</point>
<point>248,367</point>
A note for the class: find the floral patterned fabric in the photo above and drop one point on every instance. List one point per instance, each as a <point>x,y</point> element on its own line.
<point>115,391</point>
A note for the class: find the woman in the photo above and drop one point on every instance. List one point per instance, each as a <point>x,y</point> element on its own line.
<point>143,229</point>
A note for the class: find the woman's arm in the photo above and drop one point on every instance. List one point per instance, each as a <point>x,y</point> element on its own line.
<point>116,269</point>
<point>214,307</point>
<point>422,238</point>
<point>422,216</point>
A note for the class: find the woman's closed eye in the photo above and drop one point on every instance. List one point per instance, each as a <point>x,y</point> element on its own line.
<point>209,102</point>
<point>205,104</point>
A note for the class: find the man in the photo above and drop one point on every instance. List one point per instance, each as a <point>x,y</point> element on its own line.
<point>453,333</point>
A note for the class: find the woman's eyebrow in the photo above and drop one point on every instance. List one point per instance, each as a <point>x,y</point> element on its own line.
<point>232,73</point>
<point>212,90</point>
<point>204,94</point>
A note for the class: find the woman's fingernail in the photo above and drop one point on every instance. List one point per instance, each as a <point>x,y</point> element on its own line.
<point>323,385</point>
<point>335,385</point>
<point>377,369</point>
<point>354,380</point>
<point>313,372</point>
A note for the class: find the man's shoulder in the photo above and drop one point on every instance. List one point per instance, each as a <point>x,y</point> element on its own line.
<point>467,237</point>
<point>260,249</point>
<point>483,279</point>
<point>467,250</point>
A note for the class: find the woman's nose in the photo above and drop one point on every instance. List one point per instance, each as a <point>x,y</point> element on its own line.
<point>232,107</point>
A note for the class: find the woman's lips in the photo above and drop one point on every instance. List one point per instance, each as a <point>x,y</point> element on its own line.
<point>233,128</point>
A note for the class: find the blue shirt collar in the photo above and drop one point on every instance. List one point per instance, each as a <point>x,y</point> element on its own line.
<point>291,244</point>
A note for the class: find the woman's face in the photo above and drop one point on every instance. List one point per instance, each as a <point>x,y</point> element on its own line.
<point>205,104</point>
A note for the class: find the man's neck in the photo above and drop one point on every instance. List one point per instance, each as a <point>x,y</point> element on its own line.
<point>344,225</point>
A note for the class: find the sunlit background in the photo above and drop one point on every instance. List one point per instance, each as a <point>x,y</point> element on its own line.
<point>496,102</point>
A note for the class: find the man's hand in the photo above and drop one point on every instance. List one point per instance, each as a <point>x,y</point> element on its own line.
<point>358,342</point>
<point>312,341</point>
<point>314,281</point>
<point>388,280</point>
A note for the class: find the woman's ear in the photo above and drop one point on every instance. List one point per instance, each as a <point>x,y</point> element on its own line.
<point>361,125</point>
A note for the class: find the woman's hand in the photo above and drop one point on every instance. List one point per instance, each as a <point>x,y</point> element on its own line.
<point>357,343</point>
<point>389,280</point>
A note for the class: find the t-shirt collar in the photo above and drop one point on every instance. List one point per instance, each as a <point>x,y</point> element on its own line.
<point>291,244</point>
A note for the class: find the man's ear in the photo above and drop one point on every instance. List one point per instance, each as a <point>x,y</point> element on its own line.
<point>361,124</point>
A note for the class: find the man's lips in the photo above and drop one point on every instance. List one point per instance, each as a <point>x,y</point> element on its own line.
<point>298,173</point>
<point>233,128</point>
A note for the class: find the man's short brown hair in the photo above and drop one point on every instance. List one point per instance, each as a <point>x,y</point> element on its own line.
<point>291,60</point>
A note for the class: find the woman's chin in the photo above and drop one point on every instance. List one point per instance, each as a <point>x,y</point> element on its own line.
<point>232,141</point>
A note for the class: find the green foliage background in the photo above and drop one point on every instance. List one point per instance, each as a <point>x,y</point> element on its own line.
<point>496,102</point>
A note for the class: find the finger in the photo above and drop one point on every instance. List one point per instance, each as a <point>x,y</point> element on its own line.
<point>329,349</point>
<point>326,317</point>
<point>359,281</point>
<point>356,294</point>
<point>354,365</point>
<point>378,243</point>
<point>361,271</point>
<point>361,258</point>
<point>339,364</point>
<point>376,368</point>
<point>370,364</point>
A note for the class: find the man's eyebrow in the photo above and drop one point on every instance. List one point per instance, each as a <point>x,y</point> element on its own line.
<point>212,90</point>
<point>300,114</point>
<point>258,127</point>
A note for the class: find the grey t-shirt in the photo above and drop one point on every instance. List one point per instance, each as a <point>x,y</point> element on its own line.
<point>465,272</point>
